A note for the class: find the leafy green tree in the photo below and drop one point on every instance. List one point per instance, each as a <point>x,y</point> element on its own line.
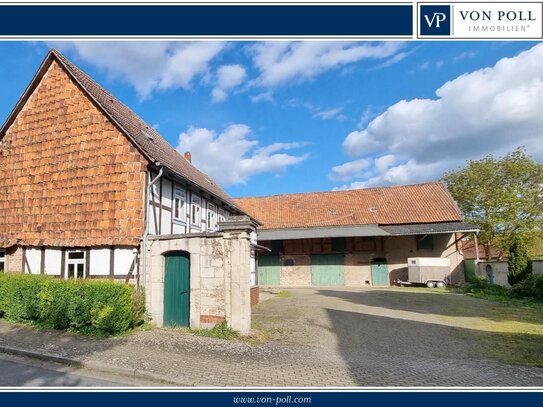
<point>503,197</point>
<point>517,261</point>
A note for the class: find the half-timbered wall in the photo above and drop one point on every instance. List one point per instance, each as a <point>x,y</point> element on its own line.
<point>175,208</point>
<point>118,262</point>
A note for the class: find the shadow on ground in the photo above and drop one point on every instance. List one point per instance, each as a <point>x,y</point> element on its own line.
<point>409,353</point>
<point>397,337</point>
<point>438,302</point>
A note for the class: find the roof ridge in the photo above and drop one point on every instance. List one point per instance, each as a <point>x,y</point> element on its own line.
<point>343,190</point>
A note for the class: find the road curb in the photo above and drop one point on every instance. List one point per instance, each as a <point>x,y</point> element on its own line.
<point>41,356</point>
<point>94,366</point>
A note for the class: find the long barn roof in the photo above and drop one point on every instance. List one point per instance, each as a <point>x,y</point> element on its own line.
<point>399,205</point>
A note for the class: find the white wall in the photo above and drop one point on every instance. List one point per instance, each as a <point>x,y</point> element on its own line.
<point>99,262</point>
<point>165,216</point>
<point>53,261</point>
<point>33,261</point>
<point>123,261</point>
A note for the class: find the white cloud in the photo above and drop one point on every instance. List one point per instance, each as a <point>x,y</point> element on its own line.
<point>400,56</point>
<point>148,65</point>
<point>350,170</point>
<point>465,55</point>
<point>231,157</point>
<point>317,111</point>
<point>263,96</point>
<point>492,110</point>
<point>328,114</point>
<point>281,62</point>
<point>424,66</point>
<point>228,77</point>
<point>367,115</point>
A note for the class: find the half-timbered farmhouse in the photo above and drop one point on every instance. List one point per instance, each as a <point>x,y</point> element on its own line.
<point>87,185</point>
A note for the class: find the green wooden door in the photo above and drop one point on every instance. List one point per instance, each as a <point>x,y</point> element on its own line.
<point>269,270</point>
<point>379,272</point>
<point>177,290</point>
<point>327,269</point>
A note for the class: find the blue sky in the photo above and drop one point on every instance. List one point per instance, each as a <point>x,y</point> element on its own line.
<point>278,117</point>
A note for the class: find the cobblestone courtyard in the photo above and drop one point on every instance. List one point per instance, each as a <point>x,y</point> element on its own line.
<point>326,337</point>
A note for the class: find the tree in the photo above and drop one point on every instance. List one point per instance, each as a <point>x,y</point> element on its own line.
<point>517,261</point>
<point>503,197</point>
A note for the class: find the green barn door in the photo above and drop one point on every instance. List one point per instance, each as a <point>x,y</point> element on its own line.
<point>268,270</point>
<point>379,272</point>
<point>327,269</point>
<point>177,290</point>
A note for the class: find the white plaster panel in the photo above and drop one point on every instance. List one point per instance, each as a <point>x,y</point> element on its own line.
<point>177,228</point>
<point>53,261</point>
<point>123,260</point>
<point>166,222</point>
<point>99,262</point>
<point>166,192</point>
<point>33,260</point>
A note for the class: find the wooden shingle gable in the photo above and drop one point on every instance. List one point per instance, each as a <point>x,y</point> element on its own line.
<point>144,137</point>
<point>68,176</point>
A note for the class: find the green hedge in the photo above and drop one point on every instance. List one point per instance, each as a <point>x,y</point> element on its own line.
<point>96,307</point>
<point>530,287</point>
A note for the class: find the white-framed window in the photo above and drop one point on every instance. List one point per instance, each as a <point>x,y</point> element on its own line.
<point>211,220</point>
<point>75,264</point>
<point>179,199</point>
<point>222,215</point>
<point>2,260</point>
<point>195,217</point>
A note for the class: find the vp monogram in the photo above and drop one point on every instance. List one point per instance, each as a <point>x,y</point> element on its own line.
<point>437,18</point>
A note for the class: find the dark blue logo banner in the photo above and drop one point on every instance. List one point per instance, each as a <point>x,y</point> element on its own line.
<point>264,398</point>
<point>207,20</point>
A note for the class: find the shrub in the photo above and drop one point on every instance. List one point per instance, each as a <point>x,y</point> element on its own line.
<point>530,287</point>
<point>481,286</point>
<point>19,297</point>
<point>219,331</point>
<point>517,262</point>
<point>96,307</point>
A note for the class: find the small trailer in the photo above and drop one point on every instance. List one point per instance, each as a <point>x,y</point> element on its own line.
<point>429,271</point>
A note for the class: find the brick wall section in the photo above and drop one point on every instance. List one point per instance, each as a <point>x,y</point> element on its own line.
<point>358,255</point>
<point>68,177</point>
<point>255,296</point>
<point>211,319</point>
<point>14,259</point>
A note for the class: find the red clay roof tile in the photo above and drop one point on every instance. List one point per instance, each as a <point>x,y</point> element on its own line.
<point>421,203</point>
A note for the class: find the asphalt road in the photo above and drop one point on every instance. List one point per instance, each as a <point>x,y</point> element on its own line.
<point>16,371</point>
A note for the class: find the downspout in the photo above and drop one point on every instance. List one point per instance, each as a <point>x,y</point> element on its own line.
<point>146,229</point>
<point>477,248</point>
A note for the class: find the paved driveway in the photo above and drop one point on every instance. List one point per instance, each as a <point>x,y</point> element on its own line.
<point>326,337</point>
<point>404,337</point>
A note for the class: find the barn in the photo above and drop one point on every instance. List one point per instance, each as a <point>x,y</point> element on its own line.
<point>359,237</point>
